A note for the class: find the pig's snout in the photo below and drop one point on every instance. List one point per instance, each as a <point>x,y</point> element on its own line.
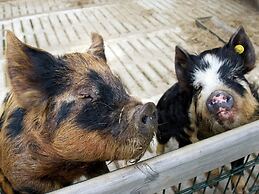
<point>219,100</point>
<point>146,118</point>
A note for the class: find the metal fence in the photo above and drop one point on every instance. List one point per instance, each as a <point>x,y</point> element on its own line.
<point>222,183</point>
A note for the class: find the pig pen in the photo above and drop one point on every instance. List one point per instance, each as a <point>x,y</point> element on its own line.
<point>140,37</point>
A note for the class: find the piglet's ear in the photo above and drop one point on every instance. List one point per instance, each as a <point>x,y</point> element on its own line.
<point>32,72</point>
<point>182,63</point>
<point>97,47</point>
<point>248,53</point>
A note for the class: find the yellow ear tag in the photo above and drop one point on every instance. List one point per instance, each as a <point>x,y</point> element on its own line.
<point>239,49</point>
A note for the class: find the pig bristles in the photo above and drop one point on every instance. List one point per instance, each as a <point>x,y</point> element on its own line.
<point>106,105</point>
<point>121,114</point>
<point>137,147</point>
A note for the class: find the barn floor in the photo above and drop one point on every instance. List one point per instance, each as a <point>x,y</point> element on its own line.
<point>140,35</point>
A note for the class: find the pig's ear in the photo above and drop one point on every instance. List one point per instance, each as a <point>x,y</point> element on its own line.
<point>97,47</point>
<point>31,72</point>
<point>182,65</point>
<point>241,44</point>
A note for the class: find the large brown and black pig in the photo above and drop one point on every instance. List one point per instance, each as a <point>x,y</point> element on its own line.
<point>64,117</point>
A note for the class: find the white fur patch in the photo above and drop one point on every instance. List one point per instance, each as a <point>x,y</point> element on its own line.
<point>209,77</point>
<point>70,98</point>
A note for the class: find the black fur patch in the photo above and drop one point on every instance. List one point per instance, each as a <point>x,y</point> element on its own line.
<point>15,125</point>
<point>110,90</point>
<point>2,116</point>
<point>64,111</point>
<point>1,121</point>
<point>6,97</point>
<point>50,74</point>
<point>237,164</point>
<point>255,90</point>
<point>232,69</point>
<point>103,113</point>
<point>28,190</point>
<point>173,115</point>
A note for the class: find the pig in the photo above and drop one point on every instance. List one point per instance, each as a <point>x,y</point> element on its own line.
<point>64,117</point>
<point>211,95</point>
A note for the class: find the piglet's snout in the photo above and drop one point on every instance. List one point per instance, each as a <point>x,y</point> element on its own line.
<point>219,100</point>
<point>147,118</point>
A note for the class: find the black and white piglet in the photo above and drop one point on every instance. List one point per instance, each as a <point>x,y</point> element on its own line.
<point>211,96</point>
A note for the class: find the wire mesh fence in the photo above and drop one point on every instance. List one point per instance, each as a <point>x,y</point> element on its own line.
<point>222,183</point>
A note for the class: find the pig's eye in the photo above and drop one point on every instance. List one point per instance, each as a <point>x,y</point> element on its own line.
<point>86,97</point>
<point>235,77</point>
<point>198,88</point>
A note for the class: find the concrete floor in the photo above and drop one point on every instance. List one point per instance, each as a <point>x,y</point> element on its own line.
<point>140,35</point>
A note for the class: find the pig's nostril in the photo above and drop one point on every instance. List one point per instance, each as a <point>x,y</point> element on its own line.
<point>230,101</point>
<point>229,98</point>
<point>147,119</point>
<point>144,119</point>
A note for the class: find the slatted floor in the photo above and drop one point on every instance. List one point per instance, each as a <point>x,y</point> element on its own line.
<point>140,35</point>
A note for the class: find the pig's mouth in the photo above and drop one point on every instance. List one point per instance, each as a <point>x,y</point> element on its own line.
<point>224,114</point>
<point>139,147</point>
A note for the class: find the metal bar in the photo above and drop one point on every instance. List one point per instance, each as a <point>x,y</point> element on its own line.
<point>207,179</point>
<point>250,174</point>
<point>239,177</point>
<point>220,174</point>
<point>253,187</point>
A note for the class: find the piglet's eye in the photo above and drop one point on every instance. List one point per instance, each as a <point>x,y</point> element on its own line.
<point>235,77</point>
<point>198,88</point>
